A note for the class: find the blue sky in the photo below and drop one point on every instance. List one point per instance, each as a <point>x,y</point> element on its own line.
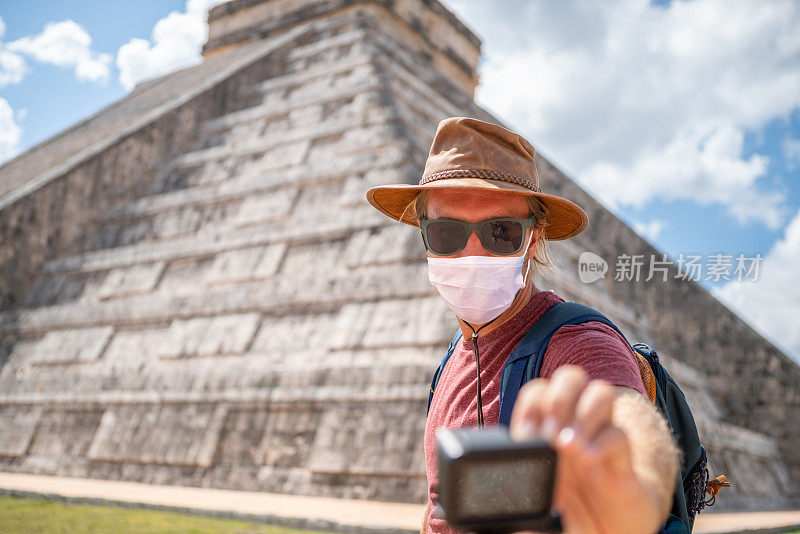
<point>721,232</point>
<point>52,95</point>
<point>681,117</point>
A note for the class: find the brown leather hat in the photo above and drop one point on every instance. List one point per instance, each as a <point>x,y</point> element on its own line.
<point>472,154</point>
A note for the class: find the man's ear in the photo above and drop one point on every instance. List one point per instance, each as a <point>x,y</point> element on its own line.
<point>537,234</point>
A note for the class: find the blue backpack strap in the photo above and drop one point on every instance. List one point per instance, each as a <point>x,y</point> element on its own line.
<point>674,525</point>
<point>450,349</point>
<point>525,362</point>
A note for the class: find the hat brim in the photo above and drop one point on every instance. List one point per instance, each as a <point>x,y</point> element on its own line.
<point>567,219</point>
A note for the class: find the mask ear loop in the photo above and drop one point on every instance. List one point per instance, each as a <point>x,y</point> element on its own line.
<point>528,270</point>
<point>475,341</point>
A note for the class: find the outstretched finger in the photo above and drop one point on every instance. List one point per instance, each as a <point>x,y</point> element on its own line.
<point>566,387</point>
<point>594,409</point>
<point>526,417</point>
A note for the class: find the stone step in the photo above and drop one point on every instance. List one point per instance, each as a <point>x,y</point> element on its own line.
<point>736,437</point>
<point>199,289</point>
<point>375,43</point>
<point>320,160</point>
<point>331,42</point>
<point>212,194</point>
<point>356,55</point>
<point>321,293</point>
<point>425,317</point>
<point>132,434</point>
<point>368,76</point>
<point>362,85</point>
<point>356,78</point>
<point>285,148</point>
<point>256,178</point>
<point>134,280</point>
<point>125,370</point>
<point>74,345</point>
<point>366,393</point>
<point>231,238</point>
<point>418,83</point>
<point>18,424</point>
<point>405,85</point>
<point>189,434</point>
<point>751,460</point>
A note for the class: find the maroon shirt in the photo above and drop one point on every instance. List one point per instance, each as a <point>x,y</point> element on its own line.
<point>596,347</point>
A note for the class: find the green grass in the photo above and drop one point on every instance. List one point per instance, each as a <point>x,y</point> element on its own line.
<point>32,516</point>
<point>29,515</point>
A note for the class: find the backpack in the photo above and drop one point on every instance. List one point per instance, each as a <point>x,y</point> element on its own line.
<point>525,362</point>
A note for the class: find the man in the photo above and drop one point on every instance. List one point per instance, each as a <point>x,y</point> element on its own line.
<point>485,224</point>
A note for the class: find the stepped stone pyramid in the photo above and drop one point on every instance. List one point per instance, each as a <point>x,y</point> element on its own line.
<point>195,291</point>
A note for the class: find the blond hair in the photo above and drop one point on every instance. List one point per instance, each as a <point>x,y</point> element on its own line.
<point>542,259</point>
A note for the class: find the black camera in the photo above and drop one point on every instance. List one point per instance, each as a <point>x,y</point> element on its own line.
<point>489,483</point>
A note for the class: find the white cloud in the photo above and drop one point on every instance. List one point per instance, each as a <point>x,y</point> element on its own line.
<point>650,230</point>
<point>65,44</point>
<point>771,302</point>
<point>12,66</point>
<point>639,101</point>
<point>10,132</point>
<point>706,167</point>
<point>177,40</point>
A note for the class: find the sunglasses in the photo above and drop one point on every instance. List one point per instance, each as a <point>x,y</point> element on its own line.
<point>504,236</point>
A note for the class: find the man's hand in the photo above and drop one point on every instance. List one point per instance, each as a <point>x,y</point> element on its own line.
<point>616,459</point>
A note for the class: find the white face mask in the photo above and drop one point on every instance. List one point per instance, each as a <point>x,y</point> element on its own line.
<point>478,288</point>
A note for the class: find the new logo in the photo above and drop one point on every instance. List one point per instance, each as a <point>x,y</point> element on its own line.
<point>591,267</point>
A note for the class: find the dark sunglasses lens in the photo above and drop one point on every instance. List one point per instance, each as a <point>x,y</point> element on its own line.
<point>502,237</point>
<point>445,237</point>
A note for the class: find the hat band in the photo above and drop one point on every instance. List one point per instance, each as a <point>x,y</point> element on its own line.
<point>488,175</point>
